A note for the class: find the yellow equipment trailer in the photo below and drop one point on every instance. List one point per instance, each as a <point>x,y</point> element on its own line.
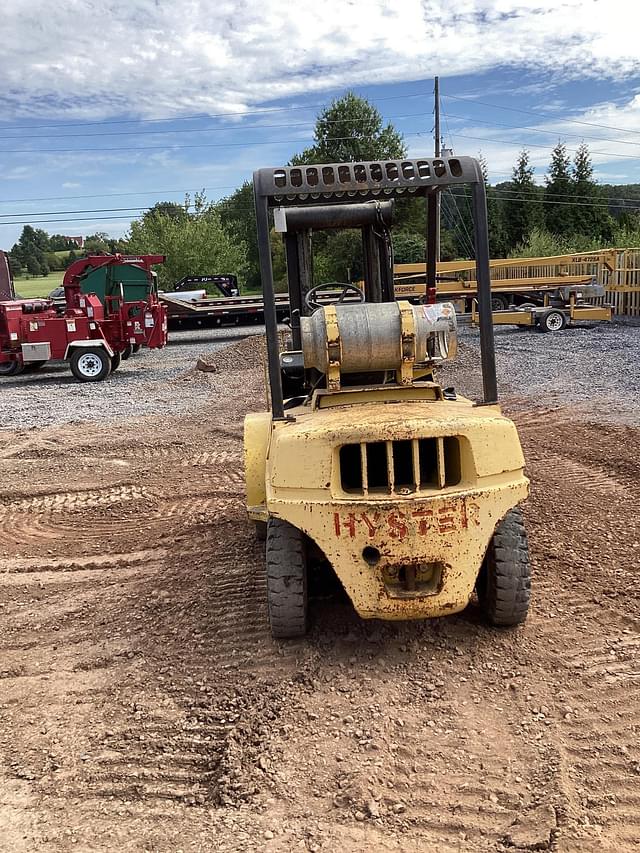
<point>408,491</point>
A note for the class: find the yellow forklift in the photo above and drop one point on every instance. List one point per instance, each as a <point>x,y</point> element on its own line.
<point>407,489</point>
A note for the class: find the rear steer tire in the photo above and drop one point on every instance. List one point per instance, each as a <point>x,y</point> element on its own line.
<point>90,364</point>
<point>552,321</point>
<point>504,582</point>
<point>286,579</point>
<point>11,368</point>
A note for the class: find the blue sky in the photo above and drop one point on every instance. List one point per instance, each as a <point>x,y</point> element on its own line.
<point>81,148</point>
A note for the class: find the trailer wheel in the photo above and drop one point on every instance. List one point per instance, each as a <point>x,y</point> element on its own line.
<point>286,579</point>
<point>90,364</point>
<point>115,361</point>
<point>552,321</point>
<point>127,352</point>
<point>499,302</point>
<point>11,368</point>
<point>135,348</point>
<point>504,582</point>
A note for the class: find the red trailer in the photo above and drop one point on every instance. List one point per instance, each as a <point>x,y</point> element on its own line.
<point>91,334</point>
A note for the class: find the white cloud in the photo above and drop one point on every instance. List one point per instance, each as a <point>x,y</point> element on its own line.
<point>611,131</point>
<point>155,57</point>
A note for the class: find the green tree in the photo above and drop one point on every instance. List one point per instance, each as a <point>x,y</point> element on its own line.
<point>60,243</point>
<point>29,250</point>
<point>33,265</point>
<point>15,267</point>
<point>96,244</point>
<point>409,247</point>
<point>237,213</point>
<point>197,245</point>
<point>495,217</point>
<point>53,261</point>
<point>169,208</point>
<point>559,194</point>
<point>590,214</point>
<point>338,256</point>
<point>521,209</point>
<point>349,129</point>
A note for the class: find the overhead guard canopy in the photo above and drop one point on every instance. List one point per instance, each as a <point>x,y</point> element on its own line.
<point>350,182</point>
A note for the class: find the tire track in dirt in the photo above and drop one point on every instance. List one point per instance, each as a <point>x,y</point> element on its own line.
<point>75,501</point>
<point>589,636</point>
<point>572,473</point>
<point>96,562</point>
<point>599,729</point>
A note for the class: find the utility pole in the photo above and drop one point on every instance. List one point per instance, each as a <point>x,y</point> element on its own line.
<point>436,132</point>
<point>433,211</point>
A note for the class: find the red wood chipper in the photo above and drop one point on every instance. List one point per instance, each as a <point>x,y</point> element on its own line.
<point>111,309</point>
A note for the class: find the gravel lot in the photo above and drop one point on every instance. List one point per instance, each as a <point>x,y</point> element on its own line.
<point>149,383</point>
<point>591,367</point>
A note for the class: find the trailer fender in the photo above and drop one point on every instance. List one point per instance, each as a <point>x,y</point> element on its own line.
<point>98,342</point>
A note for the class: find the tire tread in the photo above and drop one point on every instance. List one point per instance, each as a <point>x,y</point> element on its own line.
<point>504,584</point>
<point>286,579</point>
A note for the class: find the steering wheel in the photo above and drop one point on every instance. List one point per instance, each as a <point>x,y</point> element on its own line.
<point>312,304</point>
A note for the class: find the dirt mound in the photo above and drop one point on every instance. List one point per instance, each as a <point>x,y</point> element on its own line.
<point>246,354</point>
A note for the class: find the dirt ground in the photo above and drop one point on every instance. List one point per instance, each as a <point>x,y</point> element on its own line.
<point>144,706</point>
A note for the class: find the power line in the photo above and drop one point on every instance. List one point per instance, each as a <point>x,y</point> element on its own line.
<point>503,195</point>
<point>159,192</point>
<point>453,226</point>
<point>347,139</point>
<point>243,127</point>
<point>548,132</point>
<point>91,210</point>
<point>535,113</point>
<point>534,145</point>
<point>203,116</point>
<point>513,195</point>
<point>172,147</point>
<point>468,240</point>
<point>115,195</point>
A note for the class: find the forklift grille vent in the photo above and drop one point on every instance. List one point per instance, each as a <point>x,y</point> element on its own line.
<point>400,467</point>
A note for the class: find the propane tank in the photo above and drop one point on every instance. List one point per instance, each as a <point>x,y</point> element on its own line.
<point>374,336</point>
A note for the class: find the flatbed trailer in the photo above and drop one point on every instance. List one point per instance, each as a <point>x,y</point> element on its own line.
<point>520,282</point>
<point>221,310</point>
<point>549,317</point>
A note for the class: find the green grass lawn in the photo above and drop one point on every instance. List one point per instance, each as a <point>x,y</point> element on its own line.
<point>40,286</point>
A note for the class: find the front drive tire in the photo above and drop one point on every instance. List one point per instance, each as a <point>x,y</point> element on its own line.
<point>90,364</point>
<point>504,582</point>
<point>286,579</point>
